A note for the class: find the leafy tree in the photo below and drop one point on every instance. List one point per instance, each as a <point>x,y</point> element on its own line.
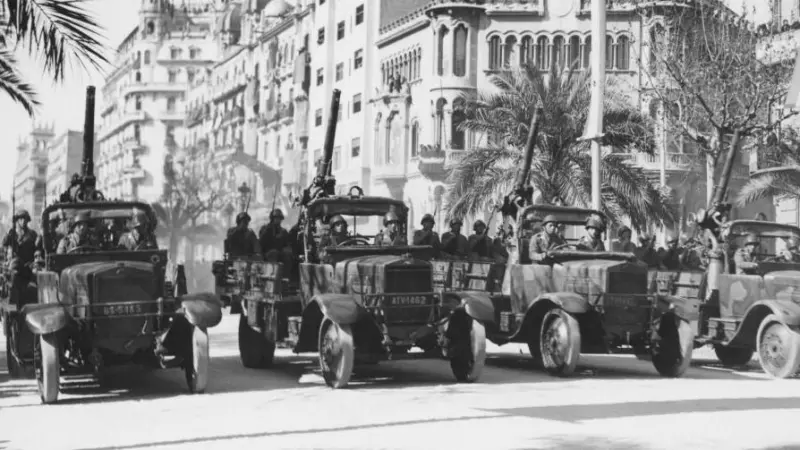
<point>56,31</point>
<point>561,168</point>
<point>195,183</point>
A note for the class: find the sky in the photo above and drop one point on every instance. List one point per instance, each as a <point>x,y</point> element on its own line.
<point>63,104</point>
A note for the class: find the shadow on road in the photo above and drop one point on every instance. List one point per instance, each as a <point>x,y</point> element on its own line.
<point>583,443</point>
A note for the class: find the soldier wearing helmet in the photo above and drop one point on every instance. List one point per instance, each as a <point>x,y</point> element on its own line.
<point>338,232</point>
<point>623,243</point>
<point>671,255</point>
<point>647,253</point>
<point>455,244</point>
<point>426,236</point>
<point>139,237</point>
<point>241,240</point>
<point>21,244</point>
<point>545,240</point>
<point>274,241</point>
<point>790,254</point>
<point>79,237</point>
<point>593,241</point>
<point>392,233</point>
<point>480,245</point>
<point>746,257</point>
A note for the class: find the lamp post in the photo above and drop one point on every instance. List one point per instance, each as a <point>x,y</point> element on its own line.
<point>229,210</point>
<point>244,193</point>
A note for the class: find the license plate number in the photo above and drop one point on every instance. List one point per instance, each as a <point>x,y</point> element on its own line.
<point>123,310</point>
<point>408,300</point>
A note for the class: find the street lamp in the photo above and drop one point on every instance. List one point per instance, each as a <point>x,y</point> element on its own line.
<point>244,192</point>
<point>229,210</point>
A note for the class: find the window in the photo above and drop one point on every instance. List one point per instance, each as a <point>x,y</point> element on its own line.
<point>171,104</point>
<point>558,52</point>
<point>172,76</point>
<point>138,103</point>
<point>609,53</point>
<point>321,36</point>
<point>495,60</point>
<point>460,51</point>
<point>415,139</point>
<point>526,51</point>
<point>320,77</point>
<point>443,32</point>
<point>574,51</point>
<point>358,59</point>
<point>355,147</point>
<point>623,53</point>
<point>318,117</point>
<point>456,133</point>
<point>359,14</point>
<point>587,52</point>
<point>194,53</point>
<point>337,158</point>
<point>356,103</point>
<point>339,71</point>
<point>321,2</point>
<point>542,55</point>
<point>147,56</point>
<point>138,77</point>
<point>339,115</point>
<point>340,31</point>
<point>174,53</point>
<point>439,137</point>
<point>190,75</point>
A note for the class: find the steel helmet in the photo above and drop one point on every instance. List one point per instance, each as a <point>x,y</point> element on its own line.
<point>751,239</point>
<point>478,224</point>
<point>242,217</point>
<point>138,220</point>
<point>427,218</point>
<point>624,229</point>
<point>22,214</point>
<point>390,217</point>
<point>792,243</point>
<point>456,221</point>
<point>337,219</point>
<point>276,214</point>
<point>549,219</point>
<point>594,222</point>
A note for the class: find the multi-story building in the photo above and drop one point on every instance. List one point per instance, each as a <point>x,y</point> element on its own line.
<point>64,158</point>
<point>31,172</point>
<point>433,54</point>
<point>143,97</point>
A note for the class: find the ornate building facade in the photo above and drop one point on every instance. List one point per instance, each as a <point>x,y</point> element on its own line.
<point>64,159</point>
<point>30,174</point>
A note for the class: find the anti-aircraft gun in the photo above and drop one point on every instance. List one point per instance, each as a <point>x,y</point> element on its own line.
<point>324,183</point>
<point>98,303</point>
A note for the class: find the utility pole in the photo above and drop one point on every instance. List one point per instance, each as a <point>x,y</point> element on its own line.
<point>595,125</point>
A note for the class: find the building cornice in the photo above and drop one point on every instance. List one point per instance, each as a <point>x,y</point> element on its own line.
<point>407,29</point>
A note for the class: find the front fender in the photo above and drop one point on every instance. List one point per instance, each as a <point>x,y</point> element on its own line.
<point>687,309</point>
<point>786,311</point>
<point>202,310</point>
<point>477,305</point>
<point>568,301</point>
<point>45,318</point>
<point>340,308</point>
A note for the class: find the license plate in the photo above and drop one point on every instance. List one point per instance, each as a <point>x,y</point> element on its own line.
<point>123,310</point>
<point>622,301</point>
<point>408,300</point>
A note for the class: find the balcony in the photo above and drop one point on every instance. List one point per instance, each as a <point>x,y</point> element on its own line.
<point>615,6</point>
<point>680,163</point>
<point>195,116</point>
<point>171,116</point>
<point>515,7</point>
<point>120,122</point>
<point>134,172</point>
<point>148,87</point>
<point>234,115</point>
<point>431,162</point>
<point>778,47</point>
<point>225,151</point>
<point>281,113</point>
<point>228,88</point>
<point>132,143</point>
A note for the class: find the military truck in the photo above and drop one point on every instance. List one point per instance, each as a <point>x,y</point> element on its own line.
<point>359,302</point>
<point>99,304</point>
<point>577,302</point>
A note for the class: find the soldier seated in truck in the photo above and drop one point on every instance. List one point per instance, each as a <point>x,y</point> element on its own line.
<point>546,240</point>
<point>593,241</point>
<point>80,238</point>
<point>391,235</point>
<point>790,254</point>
<point>746,258</point>
<point>138,238</point>
<point>338,232</point>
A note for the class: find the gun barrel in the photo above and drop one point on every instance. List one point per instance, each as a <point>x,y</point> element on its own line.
<point>727,169</point>
<point>88,133</point>
<point>533,132</point>
<point>330,134</point>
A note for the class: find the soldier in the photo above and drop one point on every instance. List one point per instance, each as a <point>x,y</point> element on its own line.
<point>545,240</point>
<point>139,238</point>
<point>338,233</point>
<point>479,244</point>
<point>746,258</point>
<point>592,241</point>
<point>454,244</point>
<point>241,240</point>
<point>790,254</point>
<point>647,253</point>
<point>274,240</point>
<point>390,236</point>
<point>23,248</point>
<point>79,236</point>
<point>623,242</point>
<point>426,236</point>
<point>671,256</point>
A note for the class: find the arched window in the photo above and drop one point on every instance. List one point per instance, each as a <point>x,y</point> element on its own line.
<point>609,53</point>
<point>377,143</point>
<point>510,51</point>
<point>150,27</point>
<point>456,133</point>
<point>542,54</point>
<point>495,56</point>
<point>526,51</point>
<point>439,132</point>
<point>147,57</point>
<point>460,51</point>
<point>623,53</point>
<point>278,146</point>
<point>415,139</point>
<point>574,57</point>
<point>138,103</point>
<point>558,52</point>
<point>138,76</point>
<point>587,52</point>
<point>443,32</point>
<point>656,41</point>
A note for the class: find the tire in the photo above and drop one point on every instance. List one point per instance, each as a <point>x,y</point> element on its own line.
<point>336,353</point>
<point>48,367</point>
<point>255,350</point>
<point>469,355</point>
<point>15,369</point>
<point>196,365</point>
<point>733,356</point>
<point>778,348</point>
<point>673,353</point>
<point>560,342</point>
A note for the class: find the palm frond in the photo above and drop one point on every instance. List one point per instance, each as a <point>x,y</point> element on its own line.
<point>12,83</point>
<point>783,181</point>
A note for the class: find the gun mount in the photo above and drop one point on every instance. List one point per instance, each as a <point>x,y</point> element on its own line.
<point>83,186</point>
<point>324,184</point>
<point>719,208</point>
<point>522,195</point>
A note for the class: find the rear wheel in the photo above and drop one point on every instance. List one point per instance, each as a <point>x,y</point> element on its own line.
<point>733,356</point>
<point>336,353</point>
<point>560,342</point>
<point>196,364</point>
<point>48,367</point>
<point>778,348</point>
<point>469,350</point>
<point>255,350</point>
<point>673,352</point>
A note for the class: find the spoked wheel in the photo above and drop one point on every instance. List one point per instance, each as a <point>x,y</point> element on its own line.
<point>778,348</point>
<point>733,356</point>
<point>15,369</point>
<point>336,353</point>
<point>255,350</point>
<point>195,366</point>
<point>672,353</point>
<point>560,342</point>
<point>48,367</point>
<point>468,343</point>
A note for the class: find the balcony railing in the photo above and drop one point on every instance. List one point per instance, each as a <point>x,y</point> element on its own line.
<point>611,6</point>
<point>281,111</point>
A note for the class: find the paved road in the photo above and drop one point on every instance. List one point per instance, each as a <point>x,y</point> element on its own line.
<point>615,402</point>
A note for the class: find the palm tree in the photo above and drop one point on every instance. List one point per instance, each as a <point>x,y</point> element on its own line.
<point>561,168</point>
<point>782,176</point>
<point>58,31</point>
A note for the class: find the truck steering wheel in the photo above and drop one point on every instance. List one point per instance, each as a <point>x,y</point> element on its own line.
<point>81,247</point>
<point>354,241</point>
